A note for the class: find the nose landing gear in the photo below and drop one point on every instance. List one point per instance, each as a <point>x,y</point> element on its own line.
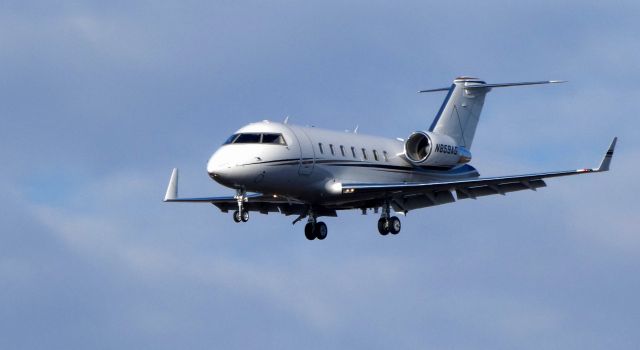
<point>241,214</point>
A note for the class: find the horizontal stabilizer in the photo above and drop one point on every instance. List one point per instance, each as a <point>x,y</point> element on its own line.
<point>434,90</point>
<point>482,85</point>
<point>477,84</point>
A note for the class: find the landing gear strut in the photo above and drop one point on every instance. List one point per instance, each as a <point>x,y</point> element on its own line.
<point>387,223</point>
<point>241,214</point>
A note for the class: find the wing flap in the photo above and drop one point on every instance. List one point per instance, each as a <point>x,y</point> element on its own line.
<point>487,190</point>
<point>264,207</point>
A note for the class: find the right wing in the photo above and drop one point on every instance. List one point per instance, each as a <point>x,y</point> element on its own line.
<point>471,188</point>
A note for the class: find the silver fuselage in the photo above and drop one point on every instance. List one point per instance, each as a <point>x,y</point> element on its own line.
<point>301,170</point>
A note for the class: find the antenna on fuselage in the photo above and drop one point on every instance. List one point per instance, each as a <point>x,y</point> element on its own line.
<point>286,120</point>
<point>355,131</point>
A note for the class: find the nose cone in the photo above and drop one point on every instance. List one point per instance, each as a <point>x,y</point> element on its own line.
<point>219,167</point>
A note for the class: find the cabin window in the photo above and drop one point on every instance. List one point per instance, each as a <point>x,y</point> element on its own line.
<point>320,147</point>
<point>364,154</point>
<point>276,139</point>
<point>342,150</point>
<point>386,157</point>
<point>248,138</point>
<point>353,151</point>
<point>331,148</point>
<point>375,155</point>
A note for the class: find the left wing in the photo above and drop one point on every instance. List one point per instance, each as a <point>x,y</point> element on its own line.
<point>471,188</point>
<point>254,202</point>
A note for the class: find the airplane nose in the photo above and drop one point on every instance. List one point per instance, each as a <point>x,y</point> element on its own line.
<point>214,167</point>
<point>218,167</point>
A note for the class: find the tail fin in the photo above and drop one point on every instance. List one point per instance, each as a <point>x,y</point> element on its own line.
<point>459,114</point>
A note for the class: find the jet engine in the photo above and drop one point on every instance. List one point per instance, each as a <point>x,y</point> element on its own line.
<point>424,148</point>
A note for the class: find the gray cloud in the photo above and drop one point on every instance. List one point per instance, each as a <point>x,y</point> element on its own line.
<point>101,100</point>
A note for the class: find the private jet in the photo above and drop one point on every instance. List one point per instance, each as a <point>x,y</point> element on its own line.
<point>312,172</point>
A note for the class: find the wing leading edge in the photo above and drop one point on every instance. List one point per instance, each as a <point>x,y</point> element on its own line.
<point>474,187</point>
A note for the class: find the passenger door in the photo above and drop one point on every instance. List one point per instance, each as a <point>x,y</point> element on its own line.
<point>307,153</point>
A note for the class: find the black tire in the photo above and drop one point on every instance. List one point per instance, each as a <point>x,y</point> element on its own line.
<point>383,226</point>
<point>245,216</point>
<point>308,231</point>
<point>236,216</point>
<point>394,225</point>
<point>321,230</point>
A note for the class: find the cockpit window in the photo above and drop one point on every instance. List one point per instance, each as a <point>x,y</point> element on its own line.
<point>248,138</point>
<point>274,139</point>
<point>231,139</point>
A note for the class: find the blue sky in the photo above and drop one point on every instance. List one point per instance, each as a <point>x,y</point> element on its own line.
<point>100,100</point>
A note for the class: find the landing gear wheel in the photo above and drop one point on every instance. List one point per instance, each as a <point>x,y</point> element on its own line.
<point>244,215</point>
<point>236,216</point>
<point>383,226</point>
<point>308,231</point>
<point>394,225</point>
<point>320,230</point>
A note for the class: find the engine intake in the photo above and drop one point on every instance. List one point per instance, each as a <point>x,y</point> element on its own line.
<point>425,148</point>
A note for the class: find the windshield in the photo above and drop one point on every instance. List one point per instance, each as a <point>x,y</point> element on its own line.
<point>230,139</point>
<point>248,138</point>
<point>274,139</point>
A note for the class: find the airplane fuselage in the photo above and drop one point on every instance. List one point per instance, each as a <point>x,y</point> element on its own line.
<point>310,164</point>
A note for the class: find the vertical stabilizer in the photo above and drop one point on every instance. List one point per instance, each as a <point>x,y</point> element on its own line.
<point>460,112</point>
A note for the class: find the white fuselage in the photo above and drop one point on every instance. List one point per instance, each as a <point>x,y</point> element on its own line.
<point>312,163</point>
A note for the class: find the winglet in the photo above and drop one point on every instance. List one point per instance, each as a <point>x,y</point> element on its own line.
<point>172,188</point>
<point>606,161</point>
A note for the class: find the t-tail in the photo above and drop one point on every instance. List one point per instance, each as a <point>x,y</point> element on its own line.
<point>459,114</point>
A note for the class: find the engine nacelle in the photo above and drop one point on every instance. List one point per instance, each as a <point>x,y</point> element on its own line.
<point>424,148</point>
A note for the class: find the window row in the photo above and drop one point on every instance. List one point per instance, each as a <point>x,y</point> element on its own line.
<point>276,139</point>
<point>354,153</point>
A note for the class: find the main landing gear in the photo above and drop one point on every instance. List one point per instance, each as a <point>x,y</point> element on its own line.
<point>314,229</point>
<point>241,214</point>
<point>391,225</point>
<point>387,223</point>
